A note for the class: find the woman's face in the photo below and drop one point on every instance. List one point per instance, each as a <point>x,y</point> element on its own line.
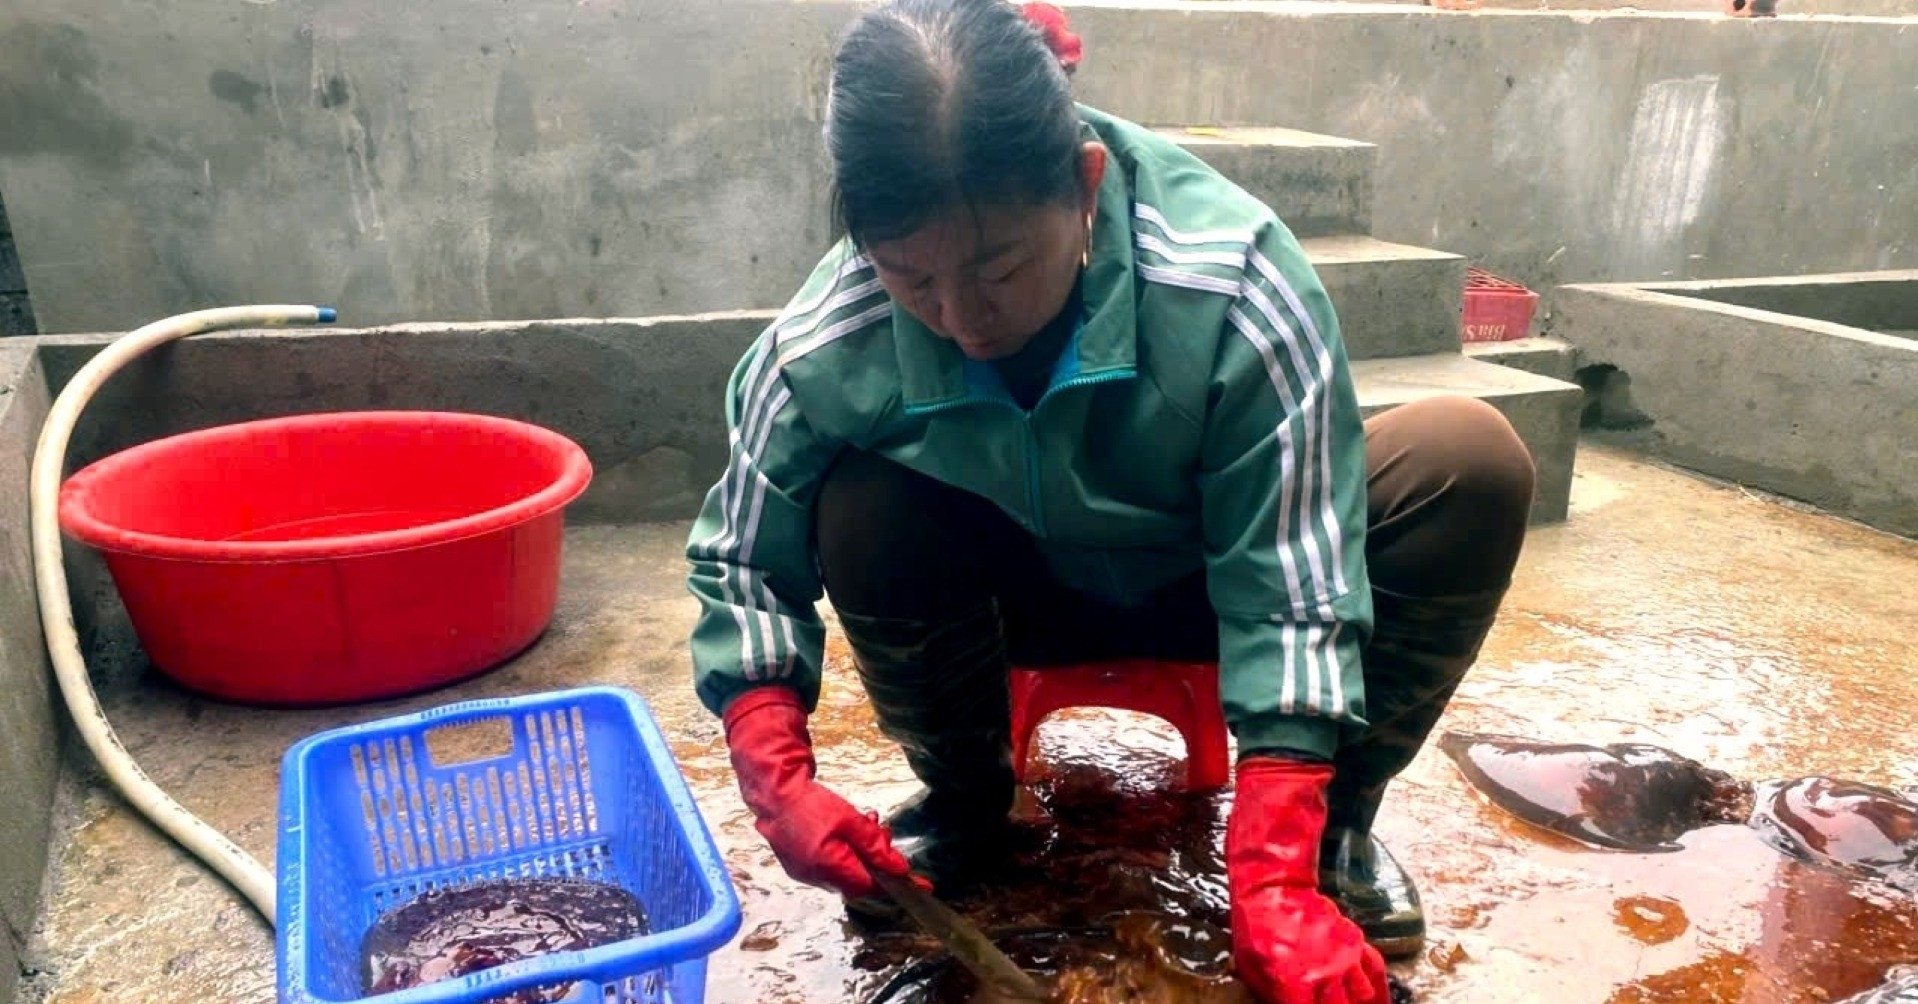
<point>990,280</point>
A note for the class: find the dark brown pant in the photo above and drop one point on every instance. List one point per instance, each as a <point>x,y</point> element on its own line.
<point>1448,487</point>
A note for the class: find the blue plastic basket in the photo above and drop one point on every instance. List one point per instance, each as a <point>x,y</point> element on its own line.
<point>576,783</point>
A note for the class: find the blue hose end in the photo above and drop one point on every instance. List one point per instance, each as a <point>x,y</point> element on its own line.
<point>328,315</point>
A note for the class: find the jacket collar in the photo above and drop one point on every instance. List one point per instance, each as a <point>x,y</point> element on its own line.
<point>934,374</point>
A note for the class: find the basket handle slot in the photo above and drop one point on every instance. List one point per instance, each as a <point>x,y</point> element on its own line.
<point>469,742</point>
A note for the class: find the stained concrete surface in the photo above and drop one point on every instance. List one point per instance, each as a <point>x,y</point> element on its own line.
<point>1760,638</point>
<point>649,156</point>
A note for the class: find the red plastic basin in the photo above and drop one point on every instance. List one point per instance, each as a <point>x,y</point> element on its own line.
<point>337,557</point>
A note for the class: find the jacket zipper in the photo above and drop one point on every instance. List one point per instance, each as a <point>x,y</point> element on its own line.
<point>1032,456</point>
<point>1034,498</point>
<point>1032,472</point>
<point>1033,495</point>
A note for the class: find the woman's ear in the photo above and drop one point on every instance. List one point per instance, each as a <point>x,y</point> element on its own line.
<point>1092,171</point>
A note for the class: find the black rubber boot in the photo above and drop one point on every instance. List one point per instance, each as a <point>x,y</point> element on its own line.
<point>1420,649</point>
<point>1361,876</point>
<point>939,690</point>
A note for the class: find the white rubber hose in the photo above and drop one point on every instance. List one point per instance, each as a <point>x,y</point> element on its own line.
<point>253,880</point>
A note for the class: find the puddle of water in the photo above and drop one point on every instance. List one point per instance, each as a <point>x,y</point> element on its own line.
<point>1725,919</point>
<point>1515,914</point>
<point>1512,910</point>
<point>1754,639</point>
<point>1749,637</point>
<point>1652,920</point>
<point>1117,884</point>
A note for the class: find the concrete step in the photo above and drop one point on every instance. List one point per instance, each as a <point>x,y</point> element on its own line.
<point>1392,299</point>
<point>1319,185</point>
<point>1543,356</point>
<point>1544,411</point>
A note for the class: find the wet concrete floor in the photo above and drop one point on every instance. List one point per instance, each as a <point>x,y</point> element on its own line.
<point>1757,638</point>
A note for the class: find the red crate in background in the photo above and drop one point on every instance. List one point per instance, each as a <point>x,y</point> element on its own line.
<point>1496,310</point>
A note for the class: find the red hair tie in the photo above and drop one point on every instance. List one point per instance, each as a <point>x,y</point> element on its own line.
<point>1051,22</point>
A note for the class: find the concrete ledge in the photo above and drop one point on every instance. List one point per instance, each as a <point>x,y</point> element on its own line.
<point>644,397</point>
<point>1548,357</point>
<point>1392,299</point>
<point>29,734</point>
<point>1875,301</point>
<point>1821,412</point>
<point>1319,185</point>
<point>1842,8</point>
<point>1544,412</point>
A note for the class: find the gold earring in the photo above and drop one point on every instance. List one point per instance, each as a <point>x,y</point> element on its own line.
<point>1085,257</point>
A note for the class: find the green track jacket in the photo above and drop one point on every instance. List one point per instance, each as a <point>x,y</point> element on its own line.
<point>1201,417</point>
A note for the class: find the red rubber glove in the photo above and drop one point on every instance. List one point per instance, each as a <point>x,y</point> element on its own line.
<point>1290,944</point>
<point>818,837</point>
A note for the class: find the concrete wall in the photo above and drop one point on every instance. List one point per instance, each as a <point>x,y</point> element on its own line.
<point>644,398</point>
<point>1805,408</point>
<point>16,308</point>
<point>409,163</point>
<point>1563,148</point>
<point>639,157</point>
<point>1877,301</point>
<point>1860,8</point>
<point>29,737</point>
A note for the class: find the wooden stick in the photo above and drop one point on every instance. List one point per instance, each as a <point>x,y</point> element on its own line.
<point>966,942</point>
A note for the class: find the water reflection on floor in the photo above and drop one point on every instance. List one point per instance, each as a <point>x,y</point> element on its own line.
<point>1749,636</point>
<point>1755,638</point>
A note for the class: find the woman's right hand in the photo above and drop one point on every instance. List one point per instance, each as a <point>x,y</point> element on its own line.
<point>818,837</point>
<point>1290,944</point>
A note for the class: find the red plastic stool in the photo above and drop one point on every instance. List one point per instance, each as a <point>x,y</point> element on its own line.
<point>1186,694</point>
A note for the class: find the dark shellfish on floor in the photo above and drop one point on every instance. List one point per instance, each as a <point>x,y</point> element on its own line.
<point>1858,828</point>
<point>1626,796</point>
<point>1639,797</point>
<point>1900,987</point>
